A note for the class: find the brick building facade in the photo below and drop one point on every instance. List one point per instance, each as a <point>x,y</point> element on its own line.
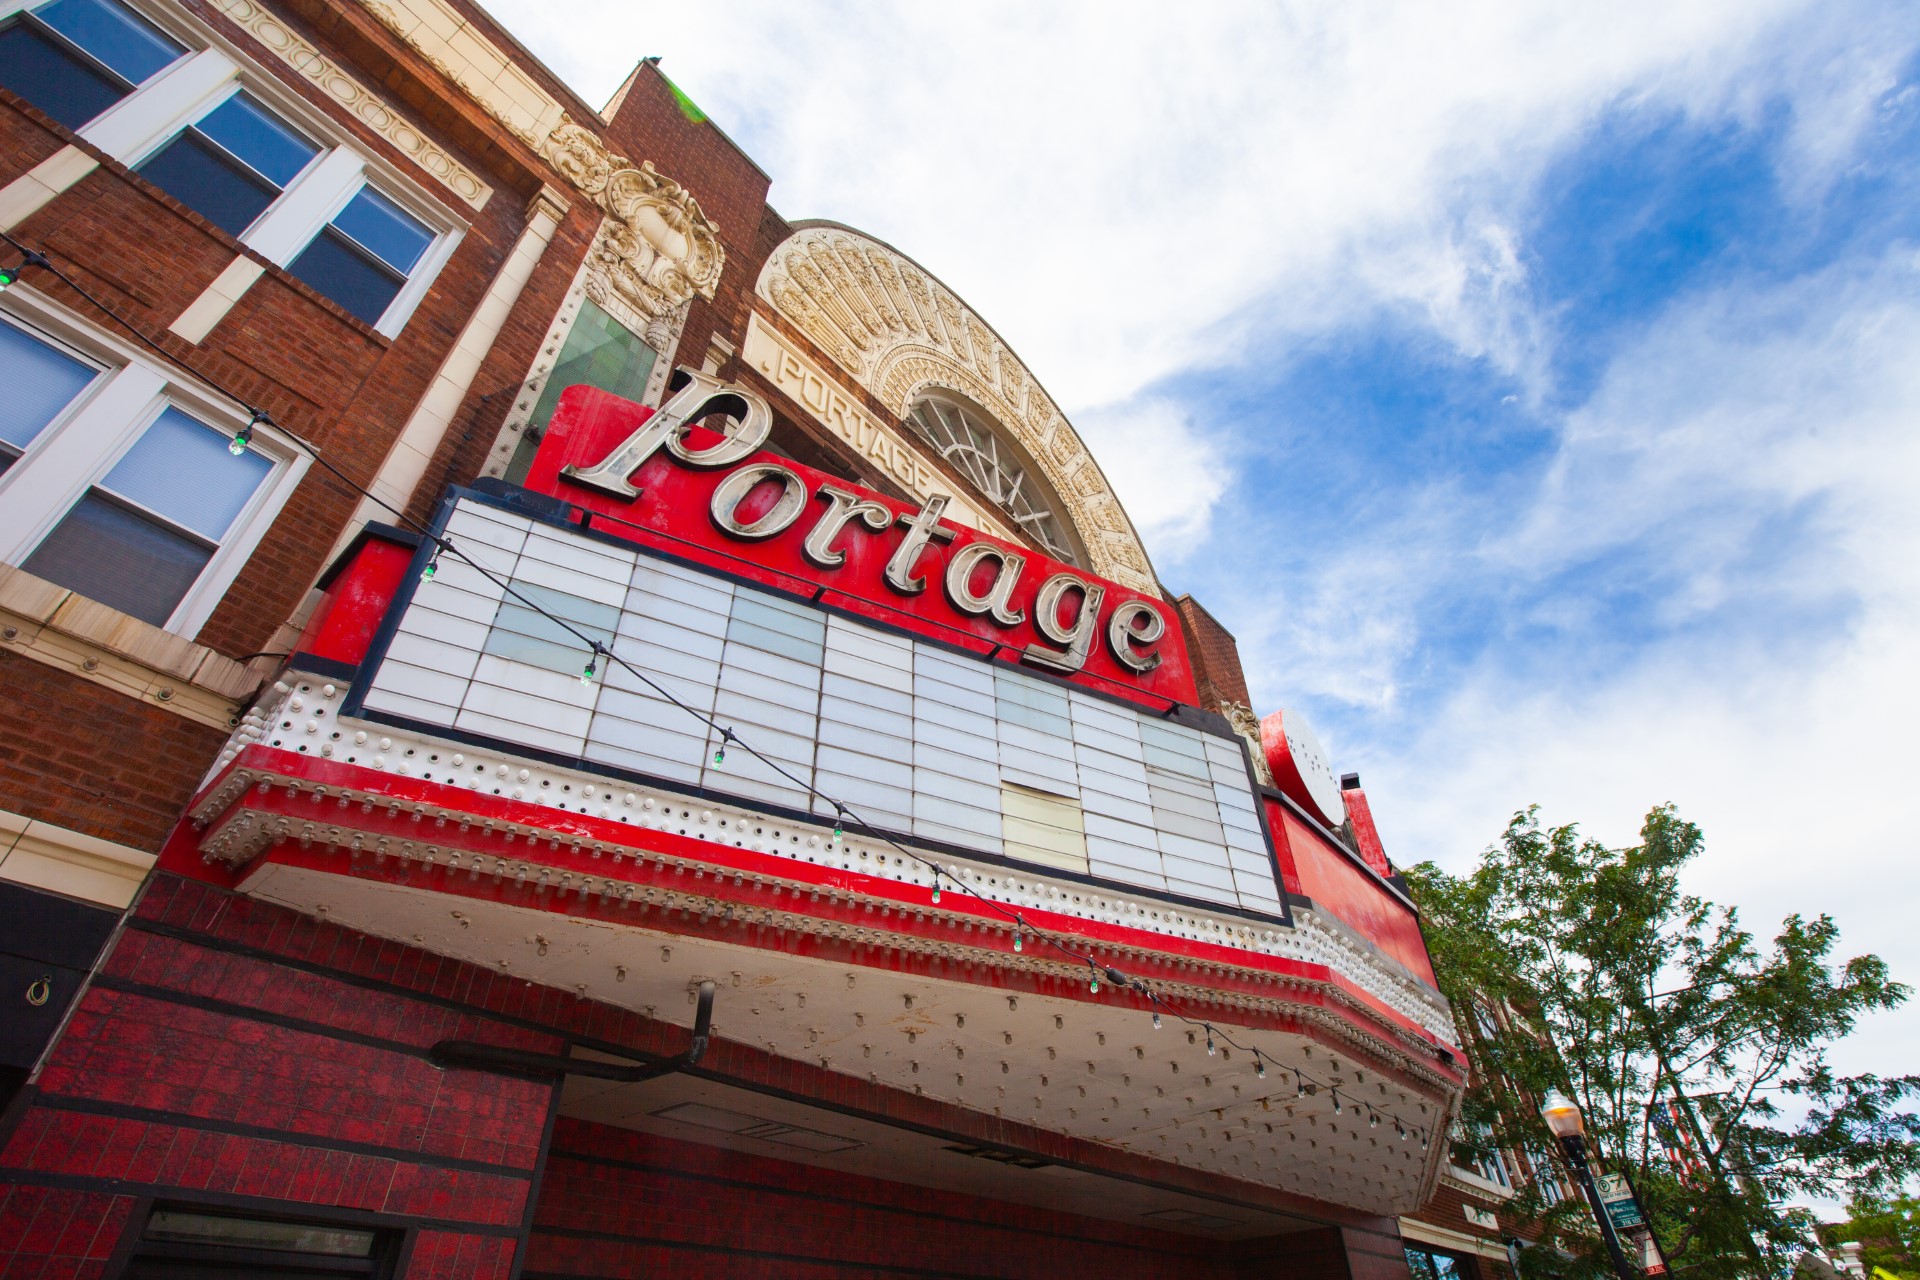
<point>384,886</point>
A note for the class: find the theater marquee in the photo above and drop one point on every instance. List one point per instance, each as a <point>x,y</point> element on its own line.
<point>951,689</point>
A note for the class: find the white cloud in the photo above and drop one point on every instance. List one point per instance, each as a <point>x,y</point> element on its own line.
<point>1165,472</point>
<point>1123,188</point>
<point>1792,745</point>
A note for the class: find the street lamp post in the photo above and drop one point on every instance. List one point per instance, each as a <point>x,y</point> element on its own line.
<point>1564,1119</point>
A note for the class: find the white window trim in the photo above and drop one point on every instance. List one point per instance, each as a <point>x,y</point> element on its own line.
<point>77,449</point>
<point>212,70</point>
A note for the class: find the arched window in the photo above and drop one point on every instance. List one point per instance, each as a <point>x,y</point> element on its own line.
<point>971,441</point>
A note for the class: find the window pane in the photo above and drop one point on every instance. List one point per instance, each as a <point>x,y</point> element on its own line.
<point>42,70</point>
<point>380,226</point>
<point>599,352</point>
<point>210,182</point>
<point>180,469</point>
<point>207,1228</point>
<point>114,34</point>
<point>260,138</point>
<point>350,276</point>
<point>40,381</point>
<point>122,559</point>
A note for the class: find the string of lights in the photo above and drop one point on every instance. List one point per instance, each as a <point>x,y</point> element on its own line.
<point>598,651</point>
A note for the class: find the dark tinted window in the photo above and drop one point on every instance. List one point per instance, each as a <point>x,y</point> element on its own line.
<point>121,39</point>
<point>385,230</point>
<point>141,537</point>
<point>232,164</point>
<point>75,58</point>
<point>362,257</point>
<point>190,1243</point>
<point>120,557</point>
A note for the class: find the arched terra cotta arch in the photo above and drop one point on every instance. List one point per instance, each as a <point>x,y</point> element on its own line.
<point>897,331</point>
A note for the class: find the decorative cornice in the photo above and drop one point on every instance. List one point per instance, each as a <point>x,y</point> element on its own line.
<point>898,332</point>
<point>366,106</point>
<point>1233,955</point>
<point>659,249</point>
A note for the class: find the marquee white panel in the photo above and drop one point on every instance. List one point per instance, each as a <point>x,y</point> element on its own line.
<point>917,740</point>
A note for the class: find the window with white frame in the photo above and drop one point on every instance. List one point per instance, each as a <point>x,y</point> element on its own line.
<point>1546,1176</point>
<point>119,481</point>
<point>235,147</point>
<point>1476,1150</point>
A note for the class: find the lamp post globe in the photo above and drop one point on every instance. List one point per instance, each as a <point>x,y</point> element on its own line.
<point>1564,1120</point>
<point>1562,1115</point>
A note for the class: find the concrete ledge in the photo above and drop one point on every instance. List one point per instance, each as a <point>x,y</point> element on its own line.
<point>67,862</point>
<point>53,625</point>
<point>1457,1241</point>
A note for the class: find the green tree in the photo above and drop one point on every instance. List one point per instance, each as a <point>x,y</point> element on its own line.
<point>1889,1229</point>
<point>1576,966</point>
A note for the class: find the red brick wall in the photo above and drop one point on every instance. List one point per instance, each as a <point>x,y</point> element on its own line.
<point>125,778</point>
<point>1216,658</point>
<point>731,189</point>
<point>321,373</point>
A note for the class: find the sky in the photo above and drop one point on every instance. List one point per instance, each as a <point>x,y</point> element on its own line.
<point>1533,389</point>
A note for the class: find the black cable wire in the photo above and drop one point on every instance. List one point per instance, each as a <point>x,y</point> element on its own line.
<point>843,813</point>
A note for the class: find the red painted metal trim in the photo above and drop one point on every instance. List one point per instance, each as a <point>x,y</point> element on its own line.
<point>356,598</point>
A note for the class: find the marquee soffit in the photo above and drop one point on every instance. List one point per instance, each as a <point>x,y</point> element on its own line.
<point>898,331</point>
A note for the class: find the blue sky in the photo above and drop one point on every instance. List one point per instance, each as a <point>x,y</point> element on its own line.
<point>1533,389</point>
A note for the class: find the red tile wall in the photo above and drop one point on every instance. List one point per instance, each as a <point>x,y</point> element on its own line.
<point>235,1048</point>
<point>615,1203</point>
<point>711,1212</point>
<point>191,1068</point>
<point>50,1233</point>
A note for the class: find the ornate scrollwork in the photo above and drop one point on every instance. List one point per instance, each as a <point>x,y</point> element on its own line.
<point>663,250</point>
<point>660,249</point>
<point>1247,725</point>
